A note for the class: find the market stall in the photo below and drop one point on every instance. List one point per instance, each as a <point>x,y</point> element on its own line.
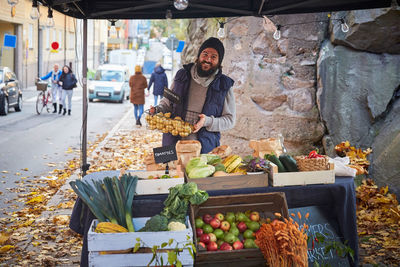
<point>338,197</point>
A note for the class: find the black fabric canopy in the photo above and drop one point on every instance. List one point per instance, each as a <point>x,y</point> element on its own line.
<point>156,9</point>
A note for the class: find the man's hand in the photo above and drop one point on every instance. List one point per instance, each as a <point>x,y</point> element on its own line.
<point>200,123</point>
<point>152,110</point>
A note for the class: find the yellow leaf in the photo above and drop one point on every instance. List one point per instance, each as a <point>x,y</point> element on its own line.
<point>35,200</point>
<point>25,169</point>
<point>3,238</point>
<point>6,248</point>
<point>4,171</point>
<point>18,173</point>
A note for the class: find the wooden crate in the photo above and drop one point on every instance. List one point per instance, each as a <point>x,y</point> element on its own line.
<point>98,243</point>
<point>230,182</point>
<point>156,186</point>
<point>265,203</point>
<point>301,178</point>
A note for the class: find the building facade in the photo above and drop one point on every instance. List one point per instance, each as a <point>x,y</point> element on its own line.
<point>34,54</point>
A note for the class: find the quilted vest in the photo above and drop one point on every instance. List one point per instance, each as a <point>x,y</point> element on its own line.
<point>213,106</point>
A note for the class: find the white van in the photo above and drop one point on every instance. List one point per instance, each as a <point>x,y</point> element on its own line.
<point>111,82</point>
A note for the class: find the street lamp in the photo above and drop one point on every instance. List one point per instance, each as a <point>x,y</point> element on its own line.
<point>181,4</point>
<point>50,20</point>
<point>12,2</point>
<point>35,11</point>
<point>113,30</point>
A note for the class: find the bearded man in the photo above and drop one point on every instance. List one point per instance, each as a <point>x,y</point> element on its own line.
<point>205,92</point>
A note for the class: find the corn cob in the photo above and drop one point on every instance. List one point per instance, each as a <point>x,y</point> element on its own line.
<point>108,227</point>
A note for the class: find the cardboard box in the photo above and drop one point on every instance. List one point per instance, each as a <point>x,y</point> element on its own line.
<point>265,203</point>
<point>230,182</point>
<point>99,243</point>
<point>156,186</point>
<point>301,178</point>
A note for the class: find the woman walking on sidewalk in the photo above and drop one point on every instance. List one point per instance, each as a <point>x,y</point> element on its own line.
<point>138,85</point>
<point>56,90</point>
<point>68,83</point>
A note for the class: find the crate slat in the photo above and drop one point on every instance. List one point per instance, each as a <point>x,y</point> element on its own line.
<point>231,182</point>
<point>136,259</point>
<point>301,178</point>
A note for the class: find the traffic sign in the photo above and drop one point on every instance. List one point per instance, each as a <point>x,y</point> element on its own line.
<point>172,43</point>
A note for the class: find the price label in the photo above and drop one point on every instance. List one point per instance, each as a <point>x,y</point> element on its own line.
<point>165,154</point>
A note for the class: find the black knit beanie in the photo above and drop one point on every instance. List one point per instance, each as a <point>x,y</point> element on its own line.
<point>216,44</point>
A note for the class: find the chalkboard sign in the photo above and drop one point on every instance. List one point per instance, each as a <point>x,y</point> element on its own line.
<point>320,221</point>
<point>165,154</point>
<point>171,96</point>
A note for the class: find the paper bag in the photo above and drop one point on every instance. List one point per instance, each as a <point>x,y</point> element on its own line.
<point>151,165</point>
<point>186,150</point>
<point>266,146</point>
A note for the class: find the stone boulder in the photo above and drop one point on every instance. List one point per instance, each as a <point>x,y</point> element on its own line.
<point>354,92</point>
<point>373,30</point>
<point>385,168</point>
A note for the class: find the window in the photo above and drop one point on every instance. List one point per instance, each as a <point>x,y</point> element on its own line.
<point>71,40</point>
<point>60,38</point>
<point>54,35</point>
<point>47,38</point>
<point>30,36</point>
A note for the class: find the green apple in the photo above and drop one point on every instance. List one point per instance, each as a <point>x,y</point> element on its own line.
<point>199,222</point>
<point>207,228</point>
<point>219,233</point>
<point>229,238</point>
<point>248,234</point>
<point>230,217</point>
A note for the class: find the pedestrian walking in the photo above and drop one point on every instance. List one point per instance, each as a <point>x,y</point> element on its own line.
<point>68,83</point>
<point>159,78</point>
<point>138,85</point>
<point>56,90</point>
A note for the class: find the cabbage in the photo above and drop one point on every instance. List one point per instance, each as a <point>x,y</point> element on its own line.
<point>212,159</point>
<point>196,162</point>
<point>201,172</point>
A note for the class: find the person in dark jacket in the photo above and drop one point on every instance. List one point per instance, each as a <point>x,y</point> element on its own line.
<point>68,82</point>
<point>204,92</point>
<point>159,78</point>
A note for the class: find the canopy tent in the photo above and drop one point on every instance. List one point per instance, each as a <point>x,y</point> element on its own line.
<point>156,9</point>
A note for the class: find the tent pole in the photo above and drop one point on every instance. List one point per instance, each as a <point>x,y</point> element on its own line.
<point>84,166</point>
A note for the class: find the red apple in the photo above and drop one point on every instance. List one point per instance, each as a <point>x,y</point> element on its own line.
<point>199,232</point>
<point>213,237</point>
<point>225,225</point>
<point>242,227</point>
<point>255,216</point>
<point>212,246</point>
<point>215,223</point>
<point>205,238</point>
<point>237,245</point>
<point>201,245</point>
<point>219,216</point>
<point>225,246</point>
<point>207,218</point>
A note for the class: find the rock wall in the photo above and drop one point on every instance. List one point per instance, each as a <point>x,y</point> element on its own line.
<point>316,85</point>
<point>359,88</point>
<point>274,81</point>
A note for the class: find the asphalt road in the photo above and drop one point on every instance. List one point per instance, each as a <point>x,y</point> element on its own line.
<point>38,143</point>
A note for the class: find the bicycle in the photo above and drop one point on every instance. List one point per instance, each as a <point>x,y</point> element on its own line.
<point>43,100</point>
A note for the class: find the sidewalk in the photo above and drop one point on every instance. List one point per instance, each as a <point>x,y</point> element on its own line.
<point>50,241</point>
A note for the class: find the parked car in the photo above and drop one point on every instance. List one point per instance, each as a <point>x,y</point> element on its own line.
<point>10,92</point>
<point>111,82</point>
